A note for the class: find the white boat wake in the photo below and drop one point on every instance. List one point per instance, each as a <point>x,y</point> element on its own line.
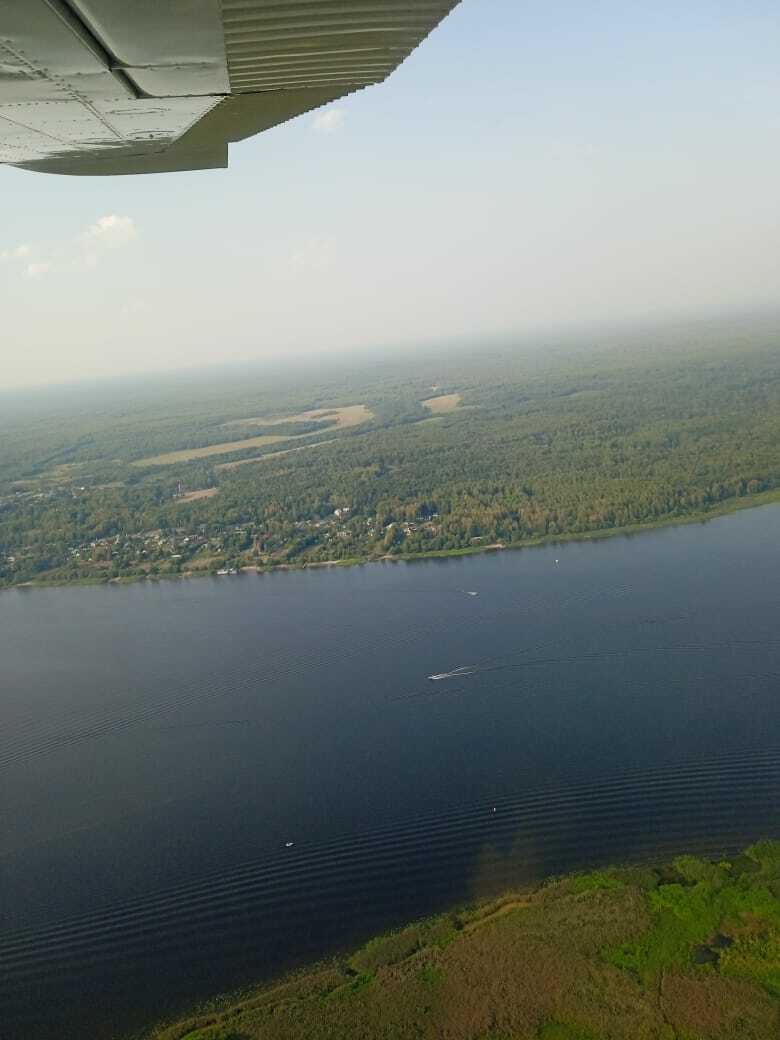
<point>456,673</point>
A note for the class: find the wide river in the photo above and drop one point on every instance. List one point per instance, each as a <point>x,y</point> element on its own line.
<point>204,783</point>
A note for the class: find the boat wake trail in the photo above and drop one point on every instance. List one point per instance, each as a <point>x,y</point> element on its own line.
<point>456,673</point>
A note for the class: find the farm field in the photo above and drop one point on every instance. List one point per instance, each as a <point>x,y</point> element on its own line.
<point>333,418</point>
<point>197,496</point>
<point>171,458</point>
<point>444,404</point>
<point>341,418</point>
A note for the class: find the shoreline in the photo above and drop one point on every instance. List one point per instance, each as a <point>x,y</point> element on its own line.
<point>626,946</point>
<point>725,508</point>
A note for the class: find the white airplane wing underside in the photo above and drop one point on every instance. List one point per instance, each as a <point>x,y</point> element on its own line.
<point>147,86</point>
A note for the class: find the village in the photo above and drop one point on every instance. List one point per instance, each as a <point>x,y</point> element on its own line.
<point>220,549</point>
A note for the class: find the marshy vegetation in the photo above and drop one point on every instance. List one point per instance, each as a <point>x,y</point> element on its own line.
<point>687,951</point>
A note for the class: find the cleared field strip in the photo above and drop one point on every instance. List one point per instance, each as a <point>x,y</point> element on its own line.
<point>194,496</point>
<point>341,419</point>
<point>270,455</point>
<point>188,454</point>
<point>443,404</point>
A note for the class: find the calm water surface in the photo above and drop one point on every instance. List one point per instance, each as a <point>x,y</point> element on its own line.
<point>160,746</point>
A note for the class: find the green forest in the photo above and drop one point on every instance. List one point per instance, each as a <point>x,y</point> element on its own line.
<point>546,440</point>
<point>685,951</point>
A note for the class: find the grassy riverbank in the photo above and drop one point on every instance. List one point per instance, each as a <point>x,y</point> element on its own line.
<point>687,951</point>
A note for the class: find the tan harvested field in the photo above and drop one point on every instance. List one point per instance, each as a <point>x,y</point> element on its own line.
<point>269,455</point>
<point>443,404</point>
<point>342,418</point>
<point>194,496</point>
<point>188,454</point>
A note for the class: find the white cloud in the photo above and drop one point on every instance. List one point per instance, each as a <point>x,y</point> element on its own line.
<point>107,234</point>
<point>329,121</point>
<point>19,253</point>
<point>111,231</point>
<point>37,269</point>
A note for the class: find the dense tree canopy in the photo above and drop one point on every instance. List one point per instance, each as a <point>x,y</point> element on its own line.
<point>544,443</point>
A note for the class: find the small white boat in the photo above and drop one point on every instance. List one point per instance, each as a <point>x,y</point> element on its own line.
<point>289,844</point>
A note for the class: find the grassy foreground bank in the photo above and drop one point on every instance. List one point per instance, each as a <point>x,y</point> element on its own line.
<point>688,951</point>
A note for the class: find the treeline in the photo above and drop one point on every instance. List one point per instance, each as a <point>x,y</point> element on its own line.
<point>567,442</point>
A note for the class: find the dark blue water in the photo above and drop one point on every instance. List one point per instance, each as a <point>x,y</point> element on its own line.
<point>161,745</point>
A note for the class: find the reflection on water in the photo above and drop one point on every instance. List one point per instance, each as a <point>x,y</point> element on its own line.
<point>205,783</point>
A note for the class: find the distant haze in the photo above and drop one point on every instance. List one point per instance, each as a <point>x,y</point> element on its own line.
<point>531,165</point>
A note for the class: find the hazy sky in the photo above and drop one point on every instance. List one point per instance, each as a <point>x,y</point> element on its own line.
<point>533,163</point>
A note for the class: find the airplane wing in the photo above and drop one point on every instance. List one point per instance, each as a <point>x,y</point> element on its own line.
<point>148,86</point>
